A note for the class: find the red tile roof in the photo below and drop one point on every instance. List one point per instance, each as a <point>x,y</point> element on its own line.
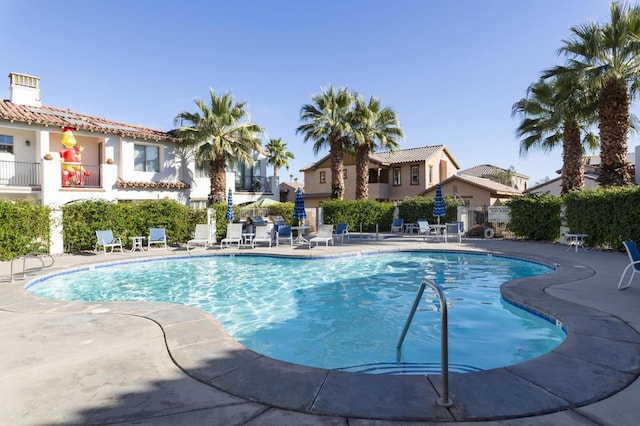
<point>49,116</point>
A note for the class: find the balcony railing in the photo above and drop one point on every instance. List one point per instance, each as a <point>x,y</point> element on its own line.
<point>19,173</point>
<point>75,175</point>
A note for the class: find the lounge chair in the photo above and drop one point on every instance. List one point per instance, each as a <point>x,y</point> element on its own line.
<point>324,235</point>
<point>342,230</point>
<point>397,225</point>
<point>105,239</point>
<point>634,258</point>
<point>453,229</point>
<point>284,233</point>
<point>423,228</point>
<point>157,236</point>
<point>264,234</point>
<point>205,235</point>
<point>234,235</point>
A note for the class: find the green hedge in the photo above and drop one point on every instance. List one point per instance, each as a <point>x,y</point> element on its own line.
<point>357,212</point>
<point>535,217</point>
<point>25,228</point>
<point>414,208</point>
<point>81,219</point>
<point>608,216</point>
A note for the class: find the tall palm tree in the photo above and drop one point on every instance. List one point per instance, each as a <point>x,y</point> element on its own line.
<point>326,123</point>
<point>608,55</point>
<point>278,155</point>
<point>373,127</point>
<point>558,111</point>
<point>223,136</point>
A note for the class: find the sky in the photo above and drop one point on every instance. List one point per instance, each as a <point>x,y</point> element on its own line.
<point>451,70</point>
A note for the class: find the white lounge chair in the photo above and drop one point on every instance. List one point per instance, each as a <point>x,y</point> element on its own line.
<point>205,235</point>
<point>634,259</point>
<point>105,239</point>
<point>264,234</point>
<point>423,228</point>
<point>234,235</point>
<point>283,234</point>
<point>324,235</point>
<point>157,236</point>
<point>342,230</point>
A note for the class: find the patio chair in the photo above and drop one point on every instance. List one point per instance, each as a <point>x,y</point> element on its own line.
<point>423,228</point>
<point>397,225</point>
<point>264,234</point>
<point>234,235</point>
<point>205,235</point>
<point>453,229</point>
<point>105,239</point>
<point>324,235</point>
<point>284,233</point>
<point>634,259</point>
<point>342,230</point>
<point>157,236</point>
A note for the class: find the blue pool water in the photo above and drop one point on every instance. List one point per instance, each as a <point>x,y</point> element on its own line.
<point>342,312</point>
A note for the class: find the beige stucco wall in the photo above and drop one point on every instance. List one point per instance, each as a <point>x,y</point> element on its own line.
<point>442,167</point>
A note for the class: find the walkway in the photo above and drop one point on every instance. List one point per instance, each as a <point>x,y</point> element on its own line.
<point>154,363</point>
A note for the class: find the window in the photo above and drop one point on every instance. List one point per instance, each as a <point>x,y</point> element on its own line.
<point>323,177</point>
<point>396,176</point>
<point>430,174</point>
<point>6,144</point>
<point>146,158</point>
<point>415,175</point>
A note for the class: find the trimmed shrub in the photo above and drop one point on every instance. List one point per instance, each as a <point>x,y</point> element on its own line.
<point>535,217</point>
<point>25,228</point>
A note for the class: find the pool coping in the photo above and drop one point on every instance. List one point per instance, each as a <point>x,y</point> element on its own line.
<point>599,357</point>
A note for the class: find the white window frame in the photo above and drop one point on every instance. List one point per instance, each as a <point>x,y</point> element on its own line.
<point>145,165</point>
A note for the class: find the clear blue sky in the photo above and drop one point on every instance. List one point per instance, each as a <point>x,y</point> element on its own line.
<point>450,69</point>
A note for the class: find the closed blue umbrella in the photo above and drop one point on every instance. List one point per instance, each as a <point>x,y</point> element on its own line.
<point>438,204</point>
<point>298,209</point>
<point>229,214</point>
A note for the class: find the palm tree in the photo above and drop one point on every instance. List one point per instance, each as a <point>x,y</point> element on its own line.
<point>373,127</point>
<point>222,136</point>
<point>326,123</point>
<point>557,111</point>
<point>278,155</point>
<point>608,55</point>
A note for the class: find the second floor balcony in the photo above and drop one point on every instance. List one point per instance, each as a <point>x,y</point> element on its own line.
<point>20,174</point>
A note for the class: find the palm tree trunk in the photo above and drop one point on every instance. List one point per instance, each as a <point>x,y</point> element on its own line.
<point>614,125</point>
<point>218,178</point>
<point>337,166</point>
<point>572,164</point>
<point>362,172</point>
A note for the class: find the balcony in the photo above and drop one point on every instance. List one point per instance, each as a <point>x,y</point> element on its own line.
<point>18,173</point>
<point>253,184</point>
<point>76,175</point>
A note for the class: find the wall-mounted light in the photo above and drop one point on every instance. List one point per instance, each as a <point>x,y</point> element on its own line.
<point>27,142</point>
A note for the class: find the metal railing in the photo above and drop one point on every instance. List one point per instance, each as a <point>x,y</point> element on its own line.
<point>81,175</point>
<point>444,400</point>
<point>33,255</point>
<point>19,173</point>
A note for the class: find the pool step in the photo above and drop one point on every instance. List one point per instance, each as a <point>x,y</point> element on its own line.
<point>393,368</point>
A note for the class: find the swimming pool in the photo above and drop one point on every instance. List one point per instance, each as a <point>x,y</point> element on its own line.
<point>341,312</point>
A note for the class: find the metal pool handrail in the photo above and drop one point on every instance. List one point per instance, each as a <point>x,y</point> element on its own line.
<point>32,255</point>
<point>444,400</point>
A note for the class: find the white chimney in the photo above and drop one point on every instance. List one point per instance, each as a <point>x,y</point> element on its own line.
<point>25,89</point>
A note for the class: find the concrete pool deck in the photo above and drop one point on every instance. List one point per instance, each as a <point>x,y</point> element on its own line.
<point>154,363</point>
